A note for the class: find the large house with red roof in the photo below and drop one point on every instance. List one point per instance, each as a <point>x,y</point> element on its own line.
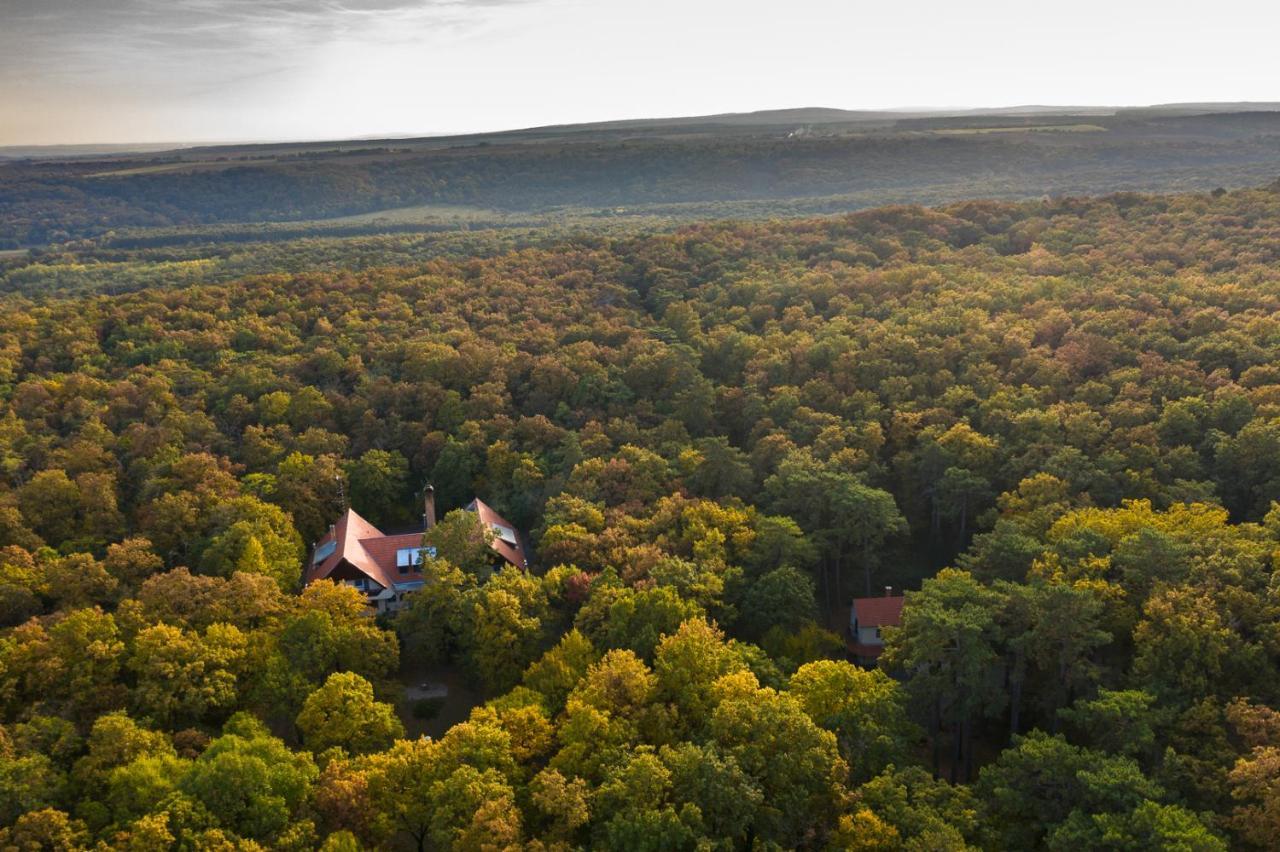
<point>388,567</point>
<point>867,617</point>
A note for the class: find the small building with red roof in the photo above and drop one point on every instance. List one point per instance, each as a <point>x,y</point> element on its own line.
<point>388,567</point>
<point>867,617</point>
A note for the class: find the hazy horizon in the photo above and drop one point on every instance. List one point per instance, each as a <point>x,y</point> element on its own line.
<point>213,71</point>
<point>169,144</point>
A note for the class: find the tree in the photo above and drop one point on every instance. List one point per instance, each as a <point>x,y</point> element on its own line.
<point>132,561</point>
<point>564,802</point>
<point>863,831</point>
<point>398,782</point>
<point>1038,784</point>
<point>866,710</point>
<point>461,540</point>
<point>1254,787</point>
<point>185,676</point>
<point>783,598</point>
<point>795,764</point>
<point>134,789</point>
<point>257,537</point>
<point>379,486</point>
<point>866,518</point>
<point>74,664</point>
<point>503,627</point>
<point>687,664</point>
<point>1052,629</point>
<point>720,469</point>
<point>555,674</point>
<point>1185,650</point>
<point>949,641</point>
<point>249,780</point>
<point>28,782</point>
<point>1115,721</point>
<point>925,812</point>
<point>1148,826</point>
<point>343,714</point>
<point>46,829</point>
<point>114,741</point>
<point>49,504</point>
<point>638,619</point>
<point>453,474</point>
<point>310,489</point>
<point>633,806</point>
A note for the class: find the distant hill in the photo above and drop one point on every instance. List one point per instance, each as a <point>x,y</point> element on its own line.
<point>770,163</point>
<point>791,117</point>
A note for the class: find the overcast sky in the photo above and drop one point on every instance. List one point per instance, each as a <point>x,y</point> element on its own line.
<point>77,71</point>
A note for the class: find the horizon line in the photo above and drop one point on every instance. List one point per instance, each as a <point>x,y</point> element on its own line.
<point>161,146</point>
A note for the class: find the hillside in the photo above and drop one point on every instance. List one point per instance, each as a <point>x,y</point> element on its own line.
<point>789,162</point>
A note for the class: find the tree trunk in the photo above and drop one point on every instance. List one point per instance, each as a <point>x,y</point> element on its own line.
<point>826,585</point>
<point>839,594</point>
<point>1056,722</point>
<point>955,749</point>
<point>935,733</point>
<point>967,728</point>
<point>1015,706</point>
<point>1018,674</point>
<point>866,566</point>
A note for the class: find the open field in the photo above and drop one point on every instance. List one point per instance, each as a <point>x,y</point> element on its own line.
<point>1035,128</point>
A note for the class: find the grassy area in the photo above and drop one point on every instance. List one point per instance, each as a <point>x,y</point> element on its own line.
<point>446,712</point>
<point>1022,128</point>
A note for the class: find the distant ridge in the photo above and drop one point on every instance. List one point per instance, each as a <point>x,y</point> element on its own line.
<point>812,116</point>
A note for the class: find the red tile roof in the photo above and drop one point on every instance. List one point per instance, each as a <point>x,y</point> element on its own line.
<point>351,532</point>
<point>364,547</point>
<point>516,554</point>
<point>878,612</point>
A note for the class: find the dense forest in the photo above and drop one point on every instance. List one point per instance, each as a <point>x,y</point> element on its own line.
<point>643,167</point>
<point>1055,423</point>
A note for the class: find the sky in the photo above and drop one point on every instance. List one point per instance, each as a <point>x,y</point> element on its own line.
<point>99,71</point>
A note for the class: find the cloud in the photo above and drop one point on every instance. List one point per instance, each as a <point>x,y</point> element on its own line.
<point>49,40</point>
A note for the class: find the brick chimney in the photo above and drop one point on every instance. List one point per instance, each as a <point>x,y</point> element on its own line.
<point>429,504</point>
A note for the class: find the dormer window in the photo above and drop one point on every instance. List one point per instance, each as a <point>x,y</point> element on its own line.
<point>407,558</point>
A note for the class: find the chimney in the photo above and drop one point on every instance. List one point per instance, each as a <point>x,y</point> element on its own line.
<point>430,505</point>
<point>888,591</point>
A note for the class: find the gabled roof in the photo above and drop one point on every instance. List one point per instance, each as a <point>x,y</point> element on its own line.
<point>352,533</point>
<point>883,611</point>
<point>364,547</point>
<point>513,552</point>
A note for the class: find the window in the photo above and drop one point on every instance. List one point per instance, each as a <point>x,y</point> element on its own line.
<point>505,533</point>
<point>407,558</point>
<point>324,551</point>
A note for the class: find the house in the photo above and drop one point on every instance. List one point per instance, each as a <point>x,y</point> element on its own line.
<point>867,617</point>
<point>387,567</point>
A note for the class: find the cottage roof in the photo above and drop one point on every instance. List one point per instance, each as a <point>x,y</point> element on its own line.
<point>878,612</point>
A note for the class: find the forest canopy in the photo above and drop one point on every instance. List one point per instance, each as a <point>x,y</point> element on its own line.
<point>1055,424</point>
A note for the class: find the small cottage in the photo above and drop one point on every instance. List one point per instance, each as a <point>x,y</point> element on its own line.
<point>867,617</point>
